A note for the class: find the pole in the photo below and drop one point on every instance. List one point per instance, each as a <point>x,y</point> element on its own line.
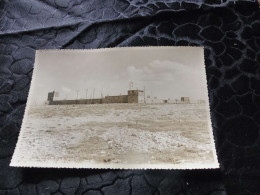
<point>86,96</point>
<point>77,96</point>
<point>101,101</point>
<point>144,95</point>
<point>93,95</point>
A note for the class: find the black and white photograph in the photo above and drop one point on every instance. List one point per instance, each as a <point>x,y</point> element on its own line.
<point>130,108</point>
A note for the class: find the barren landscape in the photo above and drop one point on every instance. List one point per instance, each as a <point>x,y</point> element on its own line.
<point>117,133</point>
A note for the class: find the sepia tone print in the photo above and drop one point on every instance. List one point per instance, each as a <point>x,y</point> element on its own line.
<point>141,107</point>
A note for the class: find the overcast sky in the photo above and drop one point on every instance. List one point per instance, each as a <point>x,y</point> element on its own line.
<point>167,72</point>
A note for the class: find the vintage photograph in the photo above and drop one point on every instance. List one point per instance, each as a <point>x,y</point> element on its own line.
<point>131,108</point>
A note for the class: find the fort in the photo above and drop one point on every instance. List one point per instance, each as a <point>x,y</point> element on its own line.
<point>133,96</point>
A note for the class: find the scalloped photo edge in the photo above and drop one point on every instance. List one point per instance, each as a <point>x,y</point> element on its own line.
<point>118,108</point>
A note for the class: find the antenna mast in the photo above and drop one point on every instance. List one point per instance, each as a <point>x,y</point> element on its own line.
<point>144,95</point>
<point>131,85</point>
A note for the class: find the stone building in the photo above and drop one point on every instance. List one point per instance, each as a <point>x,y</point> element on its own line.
<point>185,100</point>
<point>133,96</point>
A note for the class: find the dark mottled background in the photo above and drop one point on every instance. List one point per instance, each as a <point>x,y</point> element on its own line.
<point>230,32</point>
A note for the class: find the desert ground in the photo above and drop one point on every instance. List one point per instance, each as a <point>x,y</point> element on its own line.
<point>117,133</point>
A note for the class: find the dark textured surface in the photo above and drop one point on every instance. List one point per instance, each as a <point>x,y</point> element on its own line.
<point>230,32</point>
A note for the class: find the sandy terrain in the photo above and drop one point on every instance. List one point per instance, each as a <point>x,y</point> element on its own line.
<point>117,133</point>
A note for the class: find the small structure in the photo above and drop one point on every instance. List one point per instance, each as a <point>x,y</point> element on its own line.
<point>135,96</point>
<point>185,100</point>
<point>50,96</point>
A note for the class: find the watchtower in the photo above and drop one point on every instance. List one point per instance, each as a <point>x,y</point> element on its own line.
<point>135,96</point>
<point>51,96</point>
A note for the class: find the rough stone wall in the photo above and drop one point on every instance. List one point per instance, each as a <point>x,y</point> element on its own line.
<point>132,99</point>
<point>106,100</point>
<point>116,99</point>
<point>83,101</point>
<point>62,102</point>
<point>132,96</point>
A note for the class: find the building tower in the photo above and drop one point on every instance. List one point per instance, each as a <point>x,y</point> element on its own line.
<point>135,96</point>
<point>50,97</point>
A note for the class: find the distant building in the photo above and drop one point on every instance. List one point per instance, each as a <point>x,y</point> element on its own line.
<point>201,101</point>
<point>133,96</point>
<point>50,96</point>
<point>176,101</point>
<point>185,100</point>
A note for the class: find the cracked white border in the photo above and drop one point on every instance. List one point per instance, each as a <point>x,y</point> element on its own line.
<point>55,164</point>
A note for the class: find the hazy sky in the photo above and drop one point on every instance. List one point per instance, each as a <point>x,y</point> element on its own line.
<point>166,72</point>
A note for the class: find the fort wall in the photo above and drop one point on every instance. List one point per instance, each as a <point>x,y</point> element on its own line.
<point>116,99</point>
<point>132,97</point>
<point>81,101</point>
